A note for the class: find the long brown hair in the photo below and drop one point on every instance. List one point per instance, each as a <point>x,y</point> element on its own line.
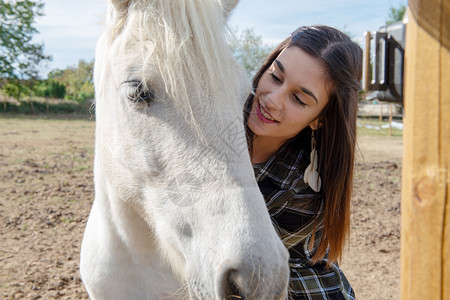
<point>342,59</point>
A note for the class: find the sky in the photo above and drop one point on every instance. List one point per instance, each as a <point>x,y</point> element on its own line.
<point>69,29</point>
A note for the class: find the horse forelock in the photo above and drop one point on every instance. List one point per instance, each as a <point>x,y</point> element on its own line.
<point>189,48</point>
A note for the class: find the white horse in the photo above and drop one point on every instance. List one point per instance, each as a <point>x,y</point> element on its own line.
<point>177,212</point>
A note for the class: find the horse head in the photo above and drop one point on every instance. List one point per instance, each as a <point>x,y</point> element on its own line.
<point>177,210</point>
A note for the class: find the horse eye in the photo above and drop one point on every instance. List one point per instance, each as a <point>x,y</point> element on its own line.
<point>136,92</point>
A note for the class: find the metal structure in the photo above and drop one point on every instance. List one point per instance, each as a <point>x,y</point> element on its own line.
<point>384,54</point>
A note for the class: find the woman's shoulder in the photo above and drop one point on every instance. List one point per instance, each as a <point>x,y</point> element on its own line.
<point>285,168</point>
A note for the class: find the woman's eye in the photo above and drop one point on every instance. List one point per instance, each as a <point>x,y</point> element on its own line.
<point>138,93</point>
<point>275,78</point>
<point>299,101</point>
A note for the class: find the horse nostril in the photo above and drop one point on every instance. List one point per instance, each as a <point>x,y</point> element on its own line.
<point>230,289</point>
<point>233,292</point>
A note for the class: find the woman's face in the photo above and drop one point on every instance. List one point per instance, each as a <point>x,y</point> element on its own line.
<point>289,97</point>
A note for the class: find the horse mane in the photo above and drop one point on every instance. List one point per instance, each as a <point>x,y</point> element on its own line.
<point>189,49</point>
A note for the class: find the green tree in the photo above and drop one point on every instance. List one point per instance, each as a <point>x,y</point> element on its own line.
<point>55,73</point>
<point>57,90</point>
<point>50,89</point>
<point>14,90</point>
<point>11,90</point>
<point>396,14</point>
<point>19,56</point>
<point>78,81</point>
<point>249,50</point>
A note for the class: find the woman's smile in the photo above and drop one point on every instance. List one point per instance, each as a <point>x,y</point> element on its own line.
<point>263,115</point>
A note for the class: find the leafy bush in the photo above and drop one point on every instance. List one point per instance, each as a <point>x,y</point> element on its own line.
<point>37,107</point>
<point>11,90</point>
<point>50,89</point>
<point>15,90</point>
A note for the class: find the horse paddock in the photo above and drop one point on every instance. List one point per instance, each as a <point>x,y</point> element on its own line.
<point>46,191</point>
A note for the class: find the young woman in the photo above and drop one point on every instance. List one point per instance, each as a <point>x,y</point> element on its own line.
<point>301,128</point>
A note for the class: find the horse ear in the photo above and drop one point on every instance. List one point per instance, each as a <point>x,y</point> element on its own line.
<point>228,6</point>
<point>120,6</point>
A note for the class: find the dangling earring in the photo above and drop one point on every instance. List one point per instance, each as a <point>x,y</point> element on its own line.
<point>253,92</point>
<point>311,176</point>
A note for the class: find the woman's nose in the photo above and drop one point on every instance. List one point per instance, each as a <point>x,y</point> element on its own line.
<point>275,100</point>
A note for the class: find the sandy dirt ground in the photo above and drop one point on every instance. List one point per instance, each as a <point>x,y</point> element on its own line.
<point>371,262</point>
<point>46,190</point>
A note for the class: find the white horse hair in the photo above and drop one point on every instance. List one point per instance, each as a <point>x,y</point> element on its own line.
<point>177,212</point>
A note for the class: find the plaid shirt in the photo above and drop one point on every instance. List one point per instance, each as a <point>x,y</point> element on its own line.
<point>296,211</point>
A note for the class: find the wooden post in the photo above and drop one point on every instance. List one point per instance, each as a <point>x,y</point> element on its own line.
<point>366,67</point>
<point>390,119</point>
<point>380,118</point>
<point>425,233</point>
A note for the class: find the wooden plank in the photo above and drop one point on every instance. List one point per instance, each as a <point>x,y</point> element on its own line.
<point>425,207</point>
<point>445,138</point>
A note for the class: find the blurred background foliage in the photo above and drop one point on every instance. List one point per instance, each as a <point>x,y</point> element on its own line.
<point>72,88</point>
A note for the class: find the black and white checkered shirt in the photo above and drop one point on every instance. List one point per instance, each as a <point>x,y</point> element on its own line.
<point>296,211</point>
